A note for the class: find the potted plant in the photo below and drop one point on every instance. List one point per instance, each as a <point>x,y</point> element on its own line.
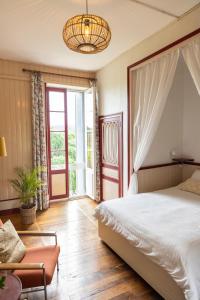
<point>26,185</point>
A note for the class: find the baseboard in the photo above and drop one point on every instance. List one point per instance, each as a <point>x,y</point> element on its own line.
<point>9,205</point>
<point>9,211</point>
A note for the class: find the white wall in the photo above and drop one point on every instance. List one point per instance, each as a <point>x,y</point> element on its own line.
<point>169,134</point>
<point>191,118</point>
<point>15,118</point>
<point>180,124</point>
<point>112,79</point>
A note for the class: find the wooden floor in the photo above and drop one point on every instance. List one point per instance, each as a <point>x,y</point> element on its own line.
<point>88,268</point>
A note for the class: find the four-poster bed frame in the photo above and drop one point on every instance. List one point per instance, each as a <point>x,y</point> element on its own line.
<point>151,272</point>
<point>129,69</point>
<point>155,275</point>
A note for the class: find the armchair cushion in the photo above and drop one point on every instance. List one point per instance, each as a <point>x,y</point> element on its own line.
<point>34,278</point>
<point>11,247</point>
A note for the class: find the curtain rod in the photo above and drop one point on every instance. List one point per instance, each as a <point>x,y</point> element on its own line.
<point>57,74</point>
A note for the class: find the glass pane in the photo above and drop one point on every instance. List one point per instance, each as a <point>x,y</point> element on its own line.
<point>89,148</point>
<point>72,182</point>
<point>57,121</point>
<point>71,110</point>
<point>58,184</point>
<point>76,143</point>
<point>57,140</point>
<point>58,161</point>
<point>56,101</point>
<point>71,117</point>
<point>71,147</point>
<point>89,129</point>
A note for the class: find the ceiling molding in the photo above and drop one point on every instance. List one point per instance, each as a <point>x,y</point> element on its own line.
<point>155,8</point>
<point>190,10</point>
<point>139,22</point>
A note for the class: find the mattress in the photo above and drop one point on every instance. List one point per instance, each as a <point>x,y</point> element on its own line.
<point>165,225</point>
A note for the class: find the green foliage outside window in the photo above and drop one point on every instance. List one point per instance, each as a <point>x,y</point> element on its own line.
<point>57,141</point>
<point>71,148</point>
<point>58,154</point>
<point>89,147</point>
<point>72,160</point>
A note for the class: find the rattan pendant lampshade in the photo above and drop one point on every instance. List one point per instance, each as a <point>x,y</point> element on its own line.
<point>86,33</point>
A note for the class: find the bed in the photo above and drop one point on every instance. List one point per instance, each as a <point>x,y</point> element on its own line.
<point>158,235</point>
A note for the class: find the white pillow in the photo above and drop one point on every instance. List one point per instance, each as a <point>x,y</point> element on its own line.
<point>196,174</point>
<point>11,247</point>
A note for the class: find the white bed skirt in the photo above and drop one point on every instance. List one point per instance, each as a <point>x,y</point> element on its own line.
<point>152,273</point>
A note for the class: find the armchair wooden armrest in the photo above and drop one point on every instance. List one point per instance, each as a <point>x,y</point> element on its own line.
<point>22,266</point>
<point>36,233</point>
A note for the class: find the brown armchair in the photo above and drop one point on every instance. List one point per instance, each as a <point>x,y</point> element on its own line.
<point>37,267</point>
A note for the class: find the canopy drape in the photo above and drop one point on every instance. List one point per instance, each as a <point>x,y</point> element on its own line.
<point>152,86</point>
<point>191,54</point>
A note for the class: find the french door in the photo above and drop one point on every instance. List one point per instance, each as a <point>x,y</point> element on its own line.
<point>71,142</point>
<point>57,142</point>
<point>70,136</point>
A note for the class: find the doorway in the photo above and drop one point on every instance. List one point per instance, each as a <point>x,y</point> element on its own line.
<point>70,142</point>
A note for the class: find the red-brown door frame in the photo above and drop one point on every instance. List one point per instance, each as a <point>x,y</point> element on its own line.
<point>62,171</point>
<point>119,168</point>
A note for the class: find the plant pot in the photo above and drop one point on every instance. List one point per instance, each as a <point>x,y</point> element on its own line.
<point>28,215</point>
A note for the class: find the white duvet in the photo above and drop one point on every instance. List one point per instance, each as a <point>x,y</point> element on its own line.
<point>166,226</point>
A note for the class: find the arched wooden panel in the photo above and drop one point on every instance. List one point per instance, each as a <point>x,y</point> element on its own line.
<point>111,155</point>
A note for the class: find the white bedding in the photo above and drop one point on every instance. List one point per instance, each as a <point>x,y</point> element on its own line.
<point>166,226</point>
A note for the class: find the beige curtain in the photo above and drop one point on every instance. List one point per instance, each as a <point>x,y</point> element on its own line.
<point>39,138</point>
<point>96,150</point>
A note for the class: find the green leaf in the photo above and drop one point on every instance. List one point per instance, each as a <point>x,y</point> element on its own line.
<point>2,282</point>
<point>27,183</point>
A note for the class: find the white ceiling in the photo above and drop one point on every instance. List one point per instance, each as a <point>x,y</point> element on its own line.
<point>31,30</point>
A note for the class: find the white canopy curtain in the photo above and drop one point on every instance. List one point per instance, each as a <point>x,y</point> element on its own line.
<point>152,86</point>
<point>191,54</point>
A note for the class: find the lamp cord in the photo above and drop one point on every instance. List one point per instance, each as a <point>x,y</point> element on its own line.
<point>86,2</point>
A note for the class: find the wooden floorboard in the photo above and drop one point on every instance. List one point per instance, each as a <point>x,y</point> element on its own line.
<point>88,268</point>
